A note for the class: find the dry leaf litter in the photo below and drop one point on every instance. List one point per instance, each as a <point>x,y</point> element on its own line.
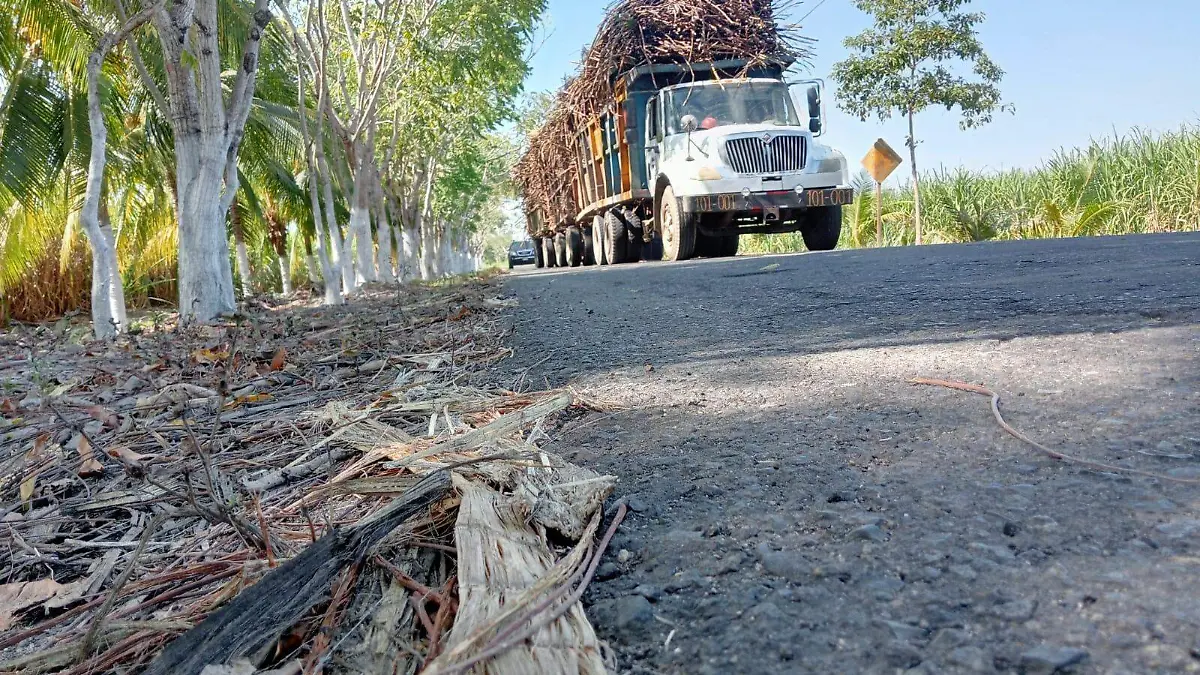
<point>300,489</point>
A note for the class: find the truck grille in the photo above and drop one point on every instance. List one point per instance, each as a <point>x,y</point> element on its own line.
<point>782,153</point>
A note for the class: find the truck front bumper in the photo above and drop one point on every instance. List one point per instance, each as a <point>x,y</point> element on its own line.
<point>768,203</point>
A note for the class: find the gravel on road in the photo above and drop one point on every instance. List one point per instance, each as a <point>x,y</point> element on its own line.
<point>798,506</point>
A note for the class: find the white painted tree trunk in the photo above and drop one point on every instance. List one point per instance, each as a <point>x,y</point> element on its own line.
<point>205,276</point>
<point>383,234</point>
<point>445,244</point>
<point>207,137</point>
<point>331,280</point>
<point>243,263</point>
<point>245,276</point>
<point>360,217</point>
<point>411,239</point>
<point>339,249</point>
<point>285,274</point>
<point>429,250</point>
<point>108,301</point>
<point>108,292</point>
<point>398,241</point>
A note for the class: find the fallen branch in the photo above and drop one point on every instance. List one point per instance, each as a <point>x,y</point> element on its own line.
<point>1050,452</point>
<point>251,623</point>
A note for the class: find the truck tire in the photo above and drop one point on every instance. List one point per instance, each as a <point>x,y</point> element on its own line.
<point>615,239</point>
<point>678,230</point>
<point>598,240</point>
<point>539,255</point>
<point>548,253</point>
<point>573,241</point>
<point>560,249</point>
<point>633,229</point>
<point>822,227</point>
<point>589,253</point>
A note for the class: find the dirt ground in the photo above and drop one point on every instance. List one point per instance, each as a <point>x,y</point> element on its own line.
<point>800,507</point>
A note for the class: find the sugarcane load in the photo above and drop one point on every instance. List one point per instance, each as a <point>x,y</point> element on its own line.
<point>680,133</point>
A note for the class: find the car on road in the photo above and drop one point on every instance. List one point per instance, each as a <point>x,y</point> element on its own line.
<point>521,253</point>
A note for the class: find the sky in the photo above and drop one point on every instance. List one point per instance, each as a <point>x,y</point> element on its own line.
<point>1074,69</point>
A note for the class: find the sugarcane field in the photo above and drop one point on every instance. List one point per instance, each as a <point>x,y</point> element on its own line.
<point>646,337</point>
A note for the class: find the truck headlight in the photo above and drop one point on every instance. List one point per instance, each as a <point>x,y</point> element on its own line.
<point>708,173</point>
<point>832,164</point>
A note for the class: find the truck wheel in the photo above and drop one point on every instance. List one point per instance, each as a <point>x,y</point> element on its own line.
<point>560,249</point>
<point>548,253</point>
<point>539,255</point>
<point>678,230</point>
<point>589,252</point>
<point>633,229</point>
<point>822,227</point>
<point>573,241</point>
<point>615,240</point>
<point>598,240</point>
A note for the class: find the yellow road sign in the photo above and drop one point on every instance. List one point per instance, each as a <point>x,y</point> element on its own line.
<point>881,161</point>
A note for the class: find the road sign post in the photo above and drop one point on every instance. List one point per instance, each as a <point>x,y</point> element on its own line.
<point>880,162</point>
<point>878,213</point>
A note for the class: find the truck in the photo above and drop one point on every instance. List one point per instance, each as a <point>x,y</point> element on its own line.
<point>687,157</point>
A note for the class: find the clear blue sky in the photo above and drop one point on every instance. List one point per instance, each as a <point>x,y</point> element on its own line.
<point>1075,69</point>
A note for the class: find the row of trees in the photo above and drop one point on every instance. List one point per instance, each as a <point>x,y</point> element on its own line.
<point>357,132</point>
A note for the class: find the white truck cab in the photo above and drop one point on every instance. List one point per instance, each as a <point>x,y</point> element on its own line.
<point>734,156</point>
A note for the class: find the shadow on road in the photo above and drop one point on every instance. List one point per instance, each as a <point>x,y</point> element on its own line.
<point>598,319</point>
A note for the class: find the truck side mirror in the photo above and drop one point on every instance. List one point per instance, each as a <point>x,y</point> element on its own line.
<point>814,109</point>
<point>689,123</point>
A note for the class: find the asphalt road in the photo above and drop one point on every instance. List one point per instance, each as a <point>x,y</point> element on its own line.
<point>799,506</point>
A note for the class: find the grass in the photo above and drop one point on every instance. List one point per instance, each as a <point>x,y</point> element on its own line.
<point>1138,183</point>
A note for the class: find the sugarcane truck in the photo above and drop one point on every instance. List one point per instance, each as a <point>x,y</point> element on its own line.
<point>688,157</point>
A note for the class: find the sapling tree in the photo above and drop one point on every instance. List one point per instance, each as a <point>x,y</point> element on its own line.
<point>919,53</point>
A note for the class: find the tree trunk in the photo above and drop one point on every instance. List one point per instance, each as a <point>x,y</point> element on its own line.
<point>330,273</point>
<point>912,154</point>
<point>338,248</point>
<point>207,137</point>
<point>411,240</point>
<point>398,257</point>
<point>342,276</point>
<point>108,293</point>
<point>205,275</point>
<point>243,256</point>
<point>360,221</point>
<point>278,237</point>
<point>285,274</point>
<point>383,233</point>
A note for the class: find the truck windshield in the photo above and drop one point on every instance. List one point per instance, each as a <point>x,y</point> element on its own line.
<point>716,105</point>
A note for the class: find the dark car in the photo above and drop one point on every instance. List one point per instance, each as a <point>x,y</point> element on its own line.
<point>521,253</point>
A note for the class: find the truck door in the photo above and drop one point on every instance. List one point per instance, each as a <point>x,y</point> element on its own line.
<point>653,141</point>
<point>808,97</point>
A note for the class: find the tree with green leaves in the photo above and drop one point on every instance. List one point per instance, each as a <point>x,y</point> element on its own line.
<point>919,53</point>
